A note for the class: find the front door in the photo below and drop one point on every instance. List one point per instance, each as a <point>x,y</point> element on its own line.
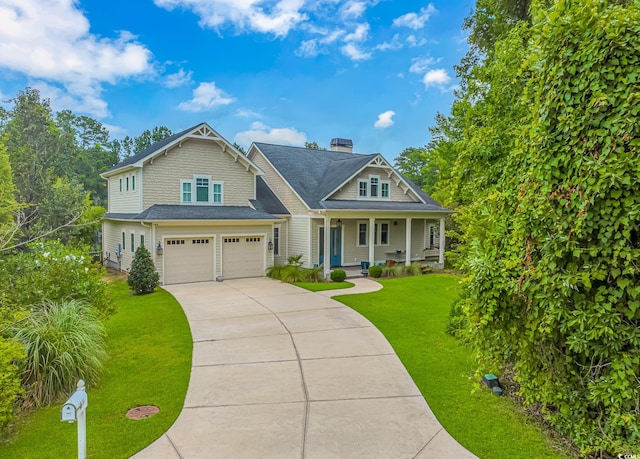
<point>335,241</point>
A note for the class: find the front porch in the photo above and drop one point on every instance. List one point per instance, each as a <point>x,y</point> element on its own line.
<point>375,240</point>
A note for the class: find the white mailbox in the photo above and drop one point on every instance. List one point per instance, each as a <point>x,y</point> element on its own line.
<point>75,409</point>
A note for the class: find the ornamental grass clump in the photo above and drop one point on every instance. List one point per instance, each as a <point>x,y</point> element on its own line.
<point>143,277</point>
<point>64,342</point>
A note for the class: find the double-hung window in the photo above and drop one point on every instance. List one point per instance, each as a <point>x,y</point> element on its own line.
<point>381,233</point>
<point>276,240</point>
<point>186,190</point>
<point>362,234</point>
<point>375,183</point>
<point>384,190</point>
<point>202,189</point>
<point>363,188</point>
<point>217,192</point>
<point>133,242</point>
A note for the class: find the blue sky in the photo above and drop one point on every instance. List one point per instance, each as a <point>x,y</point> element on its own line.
<point>278,71</point>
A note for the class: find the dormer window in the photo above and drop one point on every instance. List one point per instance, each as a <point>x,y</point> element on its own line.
<point>201,190</point>
<point>373,188</point>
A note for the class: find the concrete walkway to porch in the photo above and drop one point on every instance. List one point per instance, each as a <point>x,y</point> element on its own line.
<point>281,372</point>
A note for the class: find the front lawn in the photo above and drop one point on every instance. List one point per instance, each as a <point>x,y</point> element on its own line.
<point>319,286</point>
<point>149,345</point>
<point>412,313</point>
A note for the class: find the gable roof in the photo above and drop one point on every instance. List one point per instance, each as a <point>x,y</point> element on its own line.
<point>199,131</point>
<point>315,174</point>
<point>312,173</point>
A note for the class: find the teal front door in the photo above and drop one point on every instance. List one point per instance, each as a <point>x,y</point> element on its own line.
<point>335,241</point>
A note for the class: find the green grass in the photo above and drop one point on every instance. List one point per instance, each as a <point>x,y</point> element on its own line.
<point>149,343</point>
<point>412,313</point>
<point>319,286</point>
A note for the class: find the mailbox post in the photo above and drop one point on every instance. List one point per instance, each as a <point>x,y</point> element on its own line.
<point>75,409</point>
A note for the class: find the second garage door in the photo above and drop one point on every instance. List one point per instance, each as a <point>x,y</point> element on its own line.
<point>242,256</point>
<point>188,260</point>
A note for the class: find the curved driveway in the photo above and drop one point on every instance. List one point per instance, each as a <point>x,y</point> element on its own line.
<point>280,372</point>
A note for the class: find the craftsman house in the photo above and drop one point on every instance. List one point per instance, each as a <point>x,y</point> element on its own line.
<point>205,210</point>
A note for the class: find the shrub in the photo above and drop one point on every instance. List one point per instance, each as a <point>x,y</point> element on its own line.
<point>295,260</point>
<point>338,275</point>
<point>391,271</point>
<point>314,274</point>
<point>54,272</point>
<point>11,358</point>
<point>292,273</point>
<point>275,271</point>
<point>414,269</point>
<point>375,271</point>
<point>143,277</point>
<point>64,342</point>
<point>426,269</point>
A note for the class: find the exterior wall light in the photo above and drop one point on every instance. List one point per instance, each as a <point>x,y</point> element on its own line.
<point>270,246</point>
<point>339,223</point>
<point>159,249</point>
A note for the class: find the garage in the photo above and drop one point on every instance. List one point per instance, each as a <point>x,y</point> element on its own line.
<point>188,260</point>
<point>242,256</point>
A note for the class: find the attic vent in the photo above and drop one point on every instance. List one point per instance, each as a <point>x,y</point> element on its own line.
<point>343,145</point>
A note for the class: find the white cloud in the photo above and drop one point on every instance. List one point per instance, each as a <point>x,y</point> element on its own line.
<point>51,42</point>
<point>77,98</point>
<point>384,120</point>
<point>180,78</point>
<point>415,21</point>
<point>422,64</point>
<point>353,52</point>
<point>115,131</point>
<point>360,34</point>
<point>308,48</point>
<point>437,77</point>
<point>353,9</point>
<point>413,41</point>
<point>259,132</point>
<point>206,96</point>
<point>393,45</point>
<point>247,113</point>
<point>278,19</point>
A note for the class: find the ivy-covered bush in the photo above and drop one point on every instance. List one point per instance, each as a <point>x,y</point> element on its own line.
<point>54,272</point>
<point>338,275</point>
<point>143,277</point>
<point>552,237</point>
<point>375,271</point>
<point>64,342</point>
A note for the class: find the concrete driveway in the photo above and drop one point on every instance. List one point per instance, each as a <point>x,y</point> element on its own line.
<point>280,372</point>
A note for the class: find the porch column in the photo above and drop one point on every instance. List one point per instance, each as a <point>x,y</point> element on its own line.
<point>407,250</point>
<point>441,243</point>
<point>372,242</point>
<point>327,249</point>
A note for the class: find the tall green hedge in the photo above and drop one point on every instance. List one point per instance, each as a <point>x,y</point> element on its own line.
<point>553,248</point>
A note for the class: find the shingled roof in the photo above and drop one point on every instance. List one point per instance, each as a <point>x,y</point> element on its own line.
<point>314,174</point>
<point>159,212</point>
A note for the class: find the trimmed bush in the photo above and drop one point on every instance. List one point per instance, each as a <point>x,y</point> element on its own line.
<point>338,275</point>
<point>375,271</point>
<point>63,342</point>
<point>143,277</point>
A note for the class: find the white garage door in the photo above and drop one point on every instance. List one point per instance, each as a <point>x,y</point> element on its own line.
<point>242,256</point>
<point>188,260</point>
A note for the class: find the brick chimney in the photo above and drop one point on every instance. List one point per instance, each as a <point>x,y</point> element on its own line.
<point>342,145</point>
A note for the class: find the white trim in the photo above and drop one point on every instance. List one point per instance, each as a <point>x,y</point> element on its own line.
<point>378,233</point>
<point>277,248</point>
<point>182,182</point>
<point>366,191</point>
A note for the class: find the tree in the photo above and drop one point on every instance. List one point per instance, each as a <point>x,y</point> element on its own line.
<point>129,146</point>
<point>143,277</point>
<point>239,148</point>
<point>314,146</point>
